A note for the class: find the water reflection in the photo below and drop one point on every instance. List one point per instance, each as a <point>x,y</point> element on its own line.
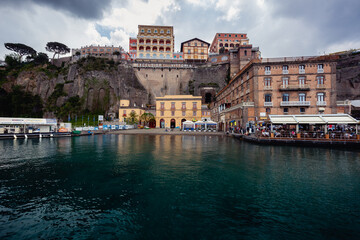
<point>124,186</point>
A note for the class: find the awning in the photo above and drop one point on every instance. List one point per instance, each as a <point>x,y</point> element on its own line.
<point>313,119</point>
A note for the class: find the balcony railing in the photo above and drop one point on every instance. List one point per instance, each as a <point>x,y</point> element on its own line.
<point>320,70</point>
<point>295,87</point>
<point>285,72</point>
<point>302,71</point>
<point>321,103</point>
<point>320,86</point>
<point>267,87</point>
<point>267,72</point>
<point>268,104</point>
<point>294,103</point>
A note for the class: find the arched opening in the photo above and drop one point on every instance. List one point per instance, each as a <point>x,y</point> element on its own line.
<point>226,45</point>
<point>154,49</point>
<point>172,123</point>
<point>237,45</point>
<point>141,56</point>
<point>154,55</point>
<point>161,42</point>
<point>231,45</point>
<point>245,53</point>
<point>148,49</point>
<point>141,41</point>
<point>141,48</point>
<point>154,41</point>
<point>167,55</point>
<point>152,123</point>
<point>168,42</point>
<point>148,55</point>
<point>161,56</point>
<point>162,123</point>
<point>208,97</point>
<point>168,49</point>
<point>221,45</point>
<point>161,49</point>
<point>148,41</point>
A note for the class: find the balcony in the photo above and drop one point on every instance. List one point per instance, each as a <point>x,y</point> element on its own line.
<point>321,103</point>
<point>295,87</point>
<point>285,71</point>
<point>320,70</point>
<point>267,72</point>
<point>301,71</point>
<point>294,103</point>
<point>267,87</point>
<point>268,104</point>
<point>320,86</point>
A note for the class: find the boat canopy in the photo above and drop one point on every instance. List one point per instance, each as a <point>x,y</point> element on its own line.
<point>340,119</point>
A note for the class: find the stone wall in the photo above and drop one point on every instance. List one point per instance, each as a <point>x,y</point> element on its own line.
<point>348,77</point>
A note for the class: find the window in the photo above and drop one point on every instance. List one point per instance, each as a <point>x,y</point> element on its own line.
<point>172,113</point>
<point>195,44</point>
<point>189,51</point>
<point>301,68</point>
<point>267,82</point>
<point>172,105</point>
<point>267,70</point>
<point>149,31</point>
<point>286,110</point>
<point>268,110</point>
<point>320,68</point>
<point>229,35</point>
<point>285,97</point>
<point>245,53</point>
<point>285,69</point>
<point>162,105</point>
<point>320,97</point>
<point>202,44</point>
<point>225,35</point>
<point>242,35</point>
<point>162,113</point>
<point>302,97</point>
<point>285,82</point>
<point>162,31</point>
<point>183,105</point>
<point>235,35</point>
<point>302,80</point>
<point>142,30</point>
<point>267,97</point>
<point>183,113</point>
<point>302,110</point>
<point>194,105</point>
<point>320,80</point>
<point>219,35</point>
<point>168,31</point>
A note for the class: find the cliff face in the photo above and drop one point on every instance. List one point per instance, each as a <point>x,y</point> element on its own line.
<point>99,90</point>
<point>96,85</point>
<point>348,77</point>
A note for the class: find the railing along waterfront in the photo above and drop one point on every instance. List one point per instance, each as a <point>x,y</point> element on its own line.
<point>320,136</point>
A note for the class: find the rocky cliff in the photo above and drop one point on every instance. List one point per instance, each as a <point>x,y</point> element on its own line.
<point>348,77</point>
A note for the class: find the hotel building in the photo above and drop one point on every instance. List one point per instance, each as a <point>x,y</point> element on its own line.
<point>304,85</point>
<point>133,47</point>
<point>195,49</point>
<point>155,42</point>
<point>172,110</point>
<point>228,41</point>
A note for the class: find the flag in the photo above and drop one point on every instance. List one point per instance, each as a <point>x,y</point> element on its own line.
<point>69,118</point>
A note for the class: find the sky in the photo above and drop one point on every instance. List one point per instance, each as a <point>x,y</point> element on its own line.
<point>279,27</point>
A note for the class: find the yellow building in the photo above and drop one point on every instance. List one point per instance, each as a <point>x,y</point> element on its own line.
<point>125,110</point>
<point>172,110</point>
<point>195,49</point>
<point>155,42</point>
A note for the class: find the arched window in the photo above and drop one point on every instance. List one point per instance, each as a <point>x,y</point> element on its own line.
<point>155,41</point>
<point>141,41</point>
<point>141,55</point>
<point>231,45</point>
<point>161,56</point>
<point>168,42</point>
<point>167,49</point>
<point>221,45</point>
<point>167,55</point>
<point>148,55</point>
<point>245,53</point>
<point>141,48</point>
<point>147,48</point>
<point>148,41</point>
<point>154,55</point>
<point>161,49</point>
<point>161,42</point>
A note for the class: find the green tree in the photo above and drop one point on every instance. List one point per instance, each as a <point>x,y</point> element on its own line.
<point>41,58</point>
<point>133,118</point>
<point>146,118</point>
<point>20,49</point>
<point>57,48</point>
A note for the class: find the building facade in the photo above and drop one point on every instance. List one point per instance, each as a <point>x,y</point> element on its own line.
<point>305,85</point>
<point>133,47</point>
<point>228,41</point>
<point>172,110</point>
<point>125,109</point>
<point>101,51</point>
<point>195,49</point>
<point>155,42</point>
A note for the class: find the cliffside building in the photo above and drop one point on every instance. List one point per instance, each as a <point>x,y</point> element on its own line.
<point>155,42</point>
<point>195,49</point>
<point>133,47</point>
<point>281,86</point>
<point>101,51</point>
<point>228,41</point>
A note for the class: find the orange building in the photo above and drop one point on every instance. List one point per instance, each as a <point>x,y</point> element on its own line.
<point>228,41</point>
<point>155,42</point>
<point>195,49</point>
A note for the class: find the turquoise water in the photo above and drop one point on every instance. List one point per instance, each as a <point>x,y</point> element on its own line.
<point>175,187</point>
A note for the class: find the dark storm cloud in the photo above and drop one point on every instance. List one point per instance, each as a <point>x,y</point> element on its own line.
<point>87,9</point>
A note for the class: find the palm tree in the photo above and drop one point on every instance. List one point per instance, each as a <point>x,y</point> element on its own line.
<point>146,118</point>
